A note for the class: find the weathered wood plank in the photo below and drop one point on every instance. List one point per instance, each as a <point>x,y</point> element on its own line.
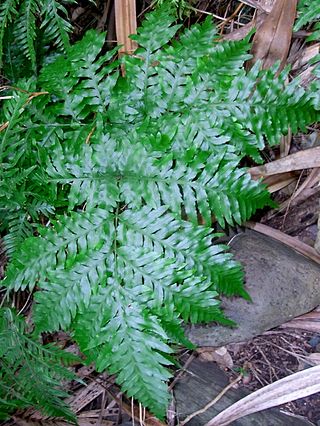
<point>203,381</point>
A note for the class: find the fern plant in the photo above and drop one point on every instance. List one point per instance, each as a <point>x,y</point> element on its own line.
<point>128,165</point>
<point>308,12</point>
<point>19,26</point>
<point>30,373</point>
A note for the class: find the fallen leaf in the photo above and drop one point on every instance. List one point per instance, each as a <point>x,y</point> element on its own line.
<point>307,159</point>
<point>272,40</point>
<point>308,322</point>
<point>220,355</point>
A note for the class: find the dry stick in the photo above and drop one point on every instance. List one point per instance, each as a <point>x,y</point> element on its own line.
<point>307,159</point>
<point>271,368</point>
<point>290,201</point>
<point>233,15</point>
<point>220,18</point>
<point>311,180</point>
<point>211,403</point>
<point>103,406</point>
<point>126,24</point>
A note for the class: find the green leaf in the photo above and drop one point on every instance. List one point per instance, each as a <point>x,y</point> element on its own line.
<point>8,10</point>
<point>30,373</point>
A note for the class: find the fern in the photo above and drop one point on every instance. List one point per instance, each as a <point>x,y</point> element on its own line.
<point>124,161</point>
<point>21,17</point>
<point>23,199</point>
<point>308,11</point>
<point>25,29</point>
<point>30,373</point>
<point>54,22</point>
<point>8,10</point>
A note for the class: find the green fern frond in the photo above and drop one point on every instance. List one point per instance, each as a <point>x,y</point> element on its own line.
<point>8,9</point>
<point>25,29</point>
<point>55,24</point>
<point>18,229</point>
<point>31,373</point>
<point>21,18</point>
<point>308,11</point>
<point>131,163</point>
<point>77,79</point>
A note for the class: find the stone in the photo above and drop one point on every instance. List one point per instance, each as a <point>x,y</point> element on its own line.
<point>282,284</point>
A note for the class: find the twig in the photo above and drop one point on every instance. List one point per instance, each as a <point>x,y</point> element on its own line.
<point>290,201</point>
<point>207,13</point>
<point>182,371</point>
<point>103,405</point>
<point>233,15</point>
<point>211,403</point>
<point>25,305</point>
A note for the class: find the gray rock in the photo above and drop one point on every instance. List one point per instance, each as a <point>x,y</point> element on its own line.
<point>282,284</point>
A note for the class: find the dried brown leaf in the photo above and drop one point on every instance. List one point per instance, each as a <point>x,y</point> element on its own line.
<point>307,159</point>
<point>219,355</point>
<point>272,40</point>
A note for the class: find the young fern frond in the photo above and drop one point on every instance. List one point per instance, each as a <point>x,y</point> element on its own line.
<point>132,164</point>
<point>31,373</point>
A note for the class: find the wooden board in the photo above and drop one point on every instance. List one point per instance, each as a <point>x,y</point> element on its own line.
<point>203,381</point>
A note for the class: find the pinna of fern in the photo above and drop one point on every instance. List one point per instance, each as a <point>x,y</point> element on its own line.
<point>128,160</point>
<point>20,18</point>
<point>31,373</point>
<point>23,199</point>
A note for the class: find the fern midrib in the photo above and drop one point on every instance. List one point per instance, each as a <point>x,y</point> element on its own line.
<point>133,177</point>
